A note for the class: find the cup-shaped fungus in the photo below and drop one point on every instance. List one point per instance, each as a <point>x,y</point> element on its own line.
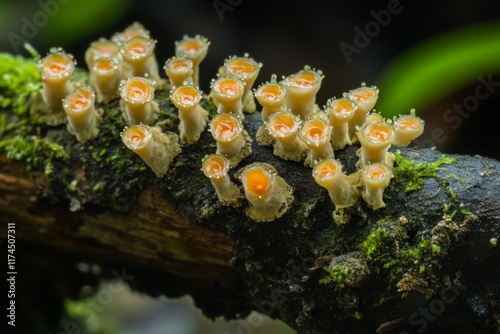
<point>372,118</point>
<point>376,178</point>
<point>56,70</point>
<point>138,53</point>
<point>83,118</point>
<point>193,117</point>
<point>271,97</point>
<point>340,111</point>
<point>366,98</point>
<point>105,78</point>
<point>101,48</point>
<point>268,194</point>
<point>375,141</point>
<point>233,141</point>
<point>194,49</point>
<point>316,134</point>
<point>137,101</point>
<point>408,127</point>
<point>328,174</point>
<point>246,69</point>
<point>301,89</point>
<point>179,71</point>
<point>284,128</point>
<point>216,167</point>
<point>156,148</point>
<point>228,93</point>
<point>134,30</point>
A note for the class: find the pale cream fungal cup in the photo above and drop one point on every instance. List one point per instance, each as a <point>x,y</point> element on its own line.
<point>216,167</point>
<point>156,148</point>
<point>193,117</point>
<point>83,118</point>
<point>137,101</point>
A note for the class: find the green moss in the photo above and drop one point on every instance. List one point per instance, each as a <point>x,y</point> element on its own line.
<point>417,172</point>
<point>33,152</point>
<point>338,275</point>
<point>375,242</point>
<point>20,78</point>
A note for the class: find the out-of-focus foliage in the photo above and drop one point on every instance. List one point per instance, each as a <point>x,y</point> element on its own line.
<point>77,19</point>
<point>439,66</point>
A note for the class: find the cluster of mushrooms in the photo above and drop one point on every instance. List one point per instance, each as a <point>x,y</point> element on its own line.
<point>125,67</point>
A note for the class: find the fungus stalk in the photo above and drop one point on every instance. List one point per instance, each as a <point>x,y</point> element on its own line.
<point>233,141</point>
<point>138,53</point>
<point>228,93</point>
<point>194,49</point>
<point>156,148</point>
<point>271,97</point>
<point>329,175</point>
<point>408,128</point>
<point>216,168</point>
<point>193,117</point>
<point>284,128</point>
<point>375,142</point>
<point>366,97</point>
<point>56,70</point>
<point>301,89</point>
<point>376,178</point>
<point>179,71</point>
<point>246,69</point>
<point>316,134</point>
<point>105,78</point>
<point>83,118</point>
<point>339,112</point>
<point>268,194</point>
<point>137,102</point>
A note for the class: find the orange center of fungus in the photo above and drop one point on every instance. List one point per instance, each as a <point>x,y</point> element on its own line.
<point>186,95</point>
<point>180,64</point>
<point>242,66</point>
<point>137,89</point>
<point>343,106</point>
<point>57,64</point>
<point>377,171</point>
<point>257,181</point>
<point>304,79</point>
<point>225,127</point>
<point>135,136</point>
<point>79,99</point>
<point>378,132</point>
<point>325,169</point>
<point>362,94</point>
<point>229,86</point>
<point>191,46</point>
<point>214,166</point>
<point>408,122</point>
<point>315,130</point>
<point>138,46</point>
<point>282,124</point>
<point>270,92</point>
<point>104,65</point>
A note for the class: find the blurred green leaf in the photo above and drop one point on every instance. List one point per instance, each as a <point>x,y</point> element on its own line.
<point>76,19</point>
<point>439,66</point>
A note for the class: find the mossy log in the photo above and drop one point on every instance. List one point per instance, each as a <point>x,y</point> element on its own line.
<point>427,261</point>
